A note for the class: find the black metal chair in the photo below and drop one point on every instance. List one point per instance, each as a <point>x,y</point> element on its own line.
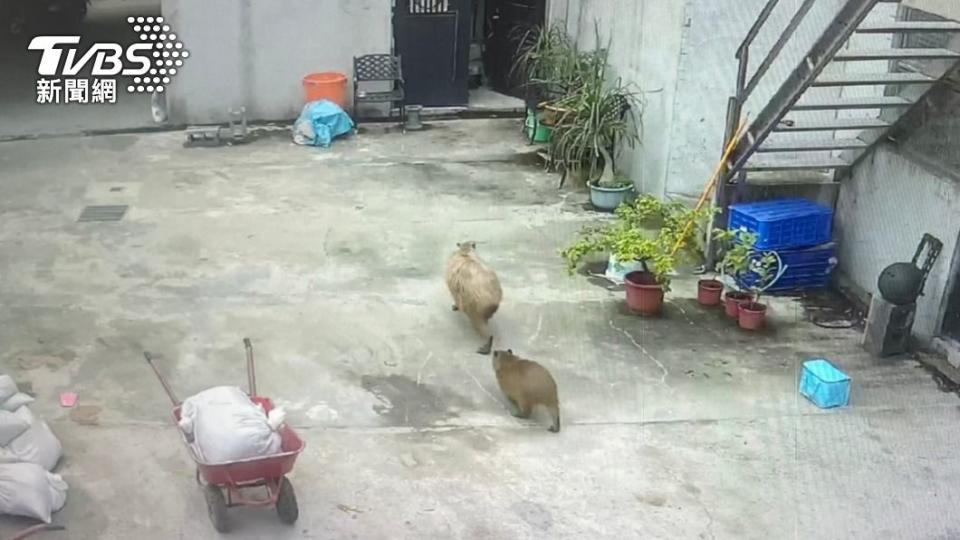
<point>378,68</point>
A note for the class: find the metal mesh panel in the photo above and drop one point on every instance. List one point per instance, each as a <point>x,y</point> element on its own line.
<point>377,67</point>
<point>429,6</point>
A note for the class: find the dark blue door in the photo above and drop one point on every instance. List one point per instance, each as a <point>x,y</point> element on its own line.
<point>433,39</point>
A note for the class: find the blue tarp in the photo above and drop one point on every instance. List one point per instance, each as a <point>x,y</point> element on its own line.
<point>320,122</point>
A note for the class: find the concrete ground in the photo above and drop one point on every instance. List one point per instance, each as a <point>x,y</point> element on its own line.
<point>486,99</point>
<point>331,261</point>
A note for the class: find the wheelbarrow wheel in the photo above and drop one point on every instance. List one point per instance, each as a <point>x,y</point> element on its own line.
<point>287,507</point>
<point>216,507</point>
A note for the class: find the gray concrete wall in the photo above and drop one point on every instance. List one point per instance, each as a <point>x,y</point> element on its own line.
<point>945,8</point>
<point>883,212</point>
<point>254,53</point>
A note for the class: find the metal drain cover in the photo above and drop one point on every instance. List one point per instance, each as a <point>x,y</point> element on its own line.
<point>103,213</point>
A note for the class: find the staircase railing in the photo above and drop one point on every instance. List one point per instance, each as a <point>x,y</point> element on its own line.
<point>848,18</point>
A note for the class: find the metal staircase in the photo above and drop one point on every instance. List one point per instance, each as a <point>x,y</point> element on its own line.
<point>830,113</point>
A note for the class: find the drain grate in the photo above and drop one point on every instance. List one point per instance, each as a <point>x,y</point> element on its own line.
<point>103,213</point>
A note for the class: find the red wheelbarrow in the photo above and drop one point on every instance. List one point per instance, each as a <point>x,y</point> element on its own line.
<point>223,483</point>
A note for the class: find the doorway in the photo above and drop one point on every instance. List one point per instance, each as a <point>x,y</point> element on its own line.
<point>507,21</point>
<point>950,327</point>
<point>460,53</point>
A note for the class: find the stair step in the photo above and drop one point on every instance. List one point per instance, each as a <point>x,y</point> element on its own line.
<point>769,164</point>
<point>896,54</point>
<point>813,146</point>
<point>872,102</point>
<point>910,26</point>
<point>834,124</point>
<point>869,79</point>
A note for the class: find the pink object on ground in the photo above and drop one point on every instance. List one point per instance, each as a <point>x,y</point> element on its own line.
<point>68,399</point>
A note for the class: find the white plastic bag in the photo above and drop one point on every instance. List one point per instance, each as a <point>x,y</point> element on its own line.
<point>11,427</point>
<point>225,425</point>
<point>35,445</point>
<point>28,490</point>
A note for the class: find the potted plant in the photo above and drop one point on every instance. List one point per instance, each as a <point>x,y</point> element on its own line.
<point>610,190</point>
<point>548,61</point>
<point>597,119</point>
<point>646,231</point>
<point>709,292</point>
<point>738,246</point>
<point>752,313</point>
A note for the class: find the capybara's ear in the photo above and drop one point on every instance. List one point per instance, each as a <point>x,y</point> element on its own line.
<point>458,244</point>
<point>510,351</point>
<point>473,245</point>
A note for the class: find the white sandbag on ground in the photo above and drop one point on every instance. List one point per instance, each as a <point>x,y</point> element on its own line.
<point>35,445</point>
<point>11,427</point>
<point>16,401</point>
<point>28,490</point>
<point>7,388</point>
<point>224,424</point>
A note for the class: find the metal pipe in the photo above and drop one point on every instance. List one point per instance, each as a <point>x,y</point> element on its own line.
<point>757,25</point>
<point>821,53</point>
<point>251,372</point>
<point>795,21</point>
<point>163,381</point>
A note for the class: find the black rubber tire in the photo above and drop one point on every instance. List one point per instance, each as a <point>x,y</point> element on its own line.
<point>216,507</point>
<point>287,507</point>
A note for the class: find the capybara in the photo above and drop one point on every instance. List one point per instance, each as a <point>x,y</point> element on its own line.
<point>526,385</point>
<point>475,289</point>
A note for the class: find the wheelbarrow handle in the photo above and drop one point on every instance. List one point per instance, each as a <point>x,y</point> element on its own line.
<point>163,381</point>
<point>251,370</point>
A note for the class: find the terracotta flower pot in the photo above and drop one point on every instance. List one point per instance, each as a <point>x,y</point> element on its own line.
<point>753,315</point>
<point>709,292</point>
<point>644,294</point>
<point>732,302</point>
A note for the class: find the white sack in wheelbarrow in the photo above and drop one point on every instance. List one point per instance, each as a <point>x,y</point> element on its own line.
<point>28,490</point>
<point>225,425</point>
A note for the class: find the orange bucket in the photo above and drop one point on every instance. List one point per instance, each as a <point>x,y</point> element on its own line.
<point>327,85</point>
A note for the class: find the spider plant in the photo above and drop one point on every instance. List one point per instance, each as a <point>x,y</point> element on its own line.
<point>594,120</point>
<point>550,62</point>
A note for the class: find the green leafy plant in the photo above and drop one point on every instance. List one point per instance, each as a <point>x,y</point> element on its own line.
<point>598,116</point>
<point>763,267</point>
<point>647,230</point>
<point>550,62</point>
<point>737,246</point>
<point>744,263</point>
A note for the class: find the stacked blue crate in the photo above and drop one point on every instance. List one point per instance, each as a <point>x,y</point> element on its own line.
<point>799,231</point>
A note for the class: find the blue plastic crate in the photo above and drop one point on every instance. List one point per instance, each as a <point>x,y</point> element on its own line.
<point>784,223</point>
<point>821,254</point>
<point>808,268</point>
<point>825,385</point>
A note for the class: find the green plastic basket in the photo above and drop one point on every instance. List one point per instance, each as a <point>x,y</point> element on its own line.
<point>543,132</point>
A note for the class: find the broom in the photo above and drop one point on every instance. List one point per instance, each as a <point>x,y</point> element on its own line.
<point>712,183</point>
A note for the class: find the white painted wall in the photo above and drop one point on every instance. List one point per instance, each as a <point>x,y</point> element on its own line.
<point>883,212</point>
<point>645,38</point>
<point>682,53</point>
<point>944,8</point>
<point>255,52</point>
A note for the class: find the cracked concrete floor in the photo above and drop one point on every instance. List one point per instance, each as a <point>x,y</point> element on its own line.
<point>331,262</point>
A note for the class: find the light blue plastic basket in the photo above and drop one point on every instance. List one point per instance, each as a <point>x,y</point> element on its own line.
<point>825,385</point>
